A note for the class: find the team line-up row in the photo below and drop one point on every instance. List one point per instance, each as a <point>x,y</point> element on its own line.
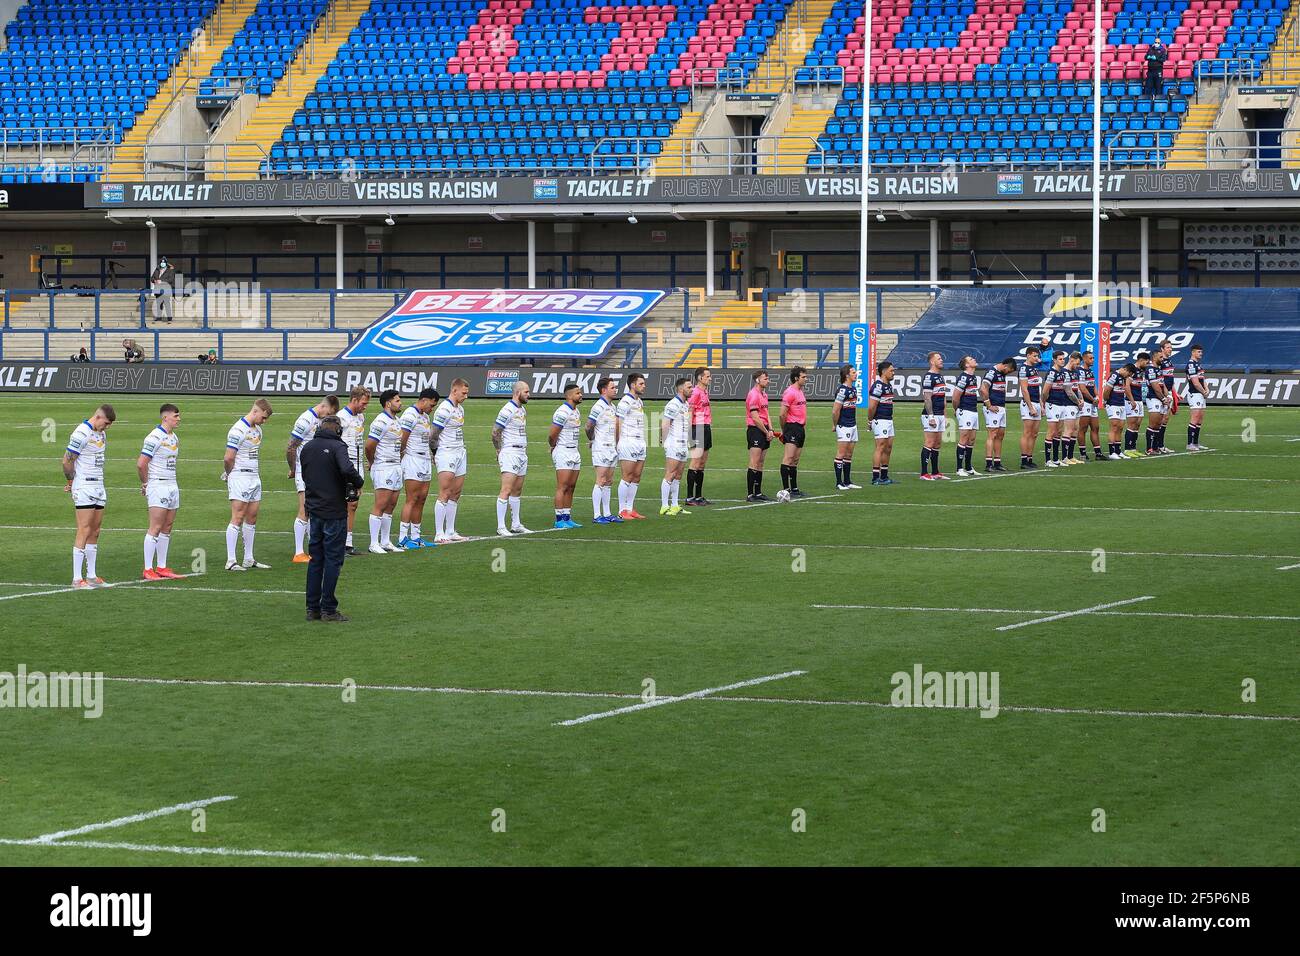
<point>404,449</point>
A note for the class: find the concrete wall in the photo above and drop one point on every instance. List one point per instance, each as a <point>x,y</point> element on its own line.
<point>8,10</point>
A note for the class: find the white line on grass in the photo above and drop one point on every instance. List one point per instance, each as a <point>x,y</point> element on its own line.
<point>224,851</point>
<point>1290,567</point>
<point>125,821</point>
<point>764,504</point>
<point>750,700</point>
<point>69,589</point>
<point>1027,610</point>
<point>661,701</point>
<point>1025,507</point>
<point>1085,610</point>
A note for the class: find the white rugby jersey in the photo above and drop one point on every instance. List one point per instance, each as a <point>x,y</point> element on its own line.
<point>450,417</point>
<point>246,439</point>
<point>417,423</point>
<point>631,412</point>
<point>570,420</point>
<point>89,448</point>
<point>603,414</point>
<point>679,414</point>
<point>354,427</point>
<point>513,422</point>
<point>305,427</point>
<point>161,448</point>
<point>387,435</point>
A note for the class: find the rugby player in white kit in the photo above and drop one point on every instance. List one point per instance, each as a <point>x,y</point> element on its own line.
<point>156,467</point>
<point>244,483</point>
<point>510,439</point>
<point>303,430</point>
<point>629,438</point>
<point>563,439</point>
<point>352,417</point>
<point>417,467</point>
<point>604,453</point>
<point>83,467</point>
<point>384,456</point>
<point>674,429</point>
<point>451,461</point>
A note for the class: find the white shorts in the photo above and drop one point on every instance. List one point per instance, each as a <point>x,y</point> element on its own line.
<point>604,456</point>
<point>1056,413</point>
<point>1132,410</point>
<point>882,427</point>
<point>297,475</point>
<point>1156,406</point>
<point>1088,411</point>
<point>846,433</point>
<point>452,460</point>
<point>679,452</point>
<point>163,494</point>
<point>1195,400</point>
<point>996,418</point>
<point>1069,413</point>
<point>627,452</point>
<point>1027,416</point>
<point>937,425</point>
<point>358,459</point>
<point>244,486</point>
<point>1116,412</point>
<point>386,476</point>
<point>86,493</point>
<point>967,421</point>
<point>416,468</point>
<point>566,459</point>
<point>513,461</point>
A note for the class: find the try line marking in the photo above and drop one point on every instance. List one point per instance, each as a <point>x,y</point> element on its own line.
<point>661,701</point>
<point>1085,610</point>
<point>1030,610</point>
<point>59,838</point>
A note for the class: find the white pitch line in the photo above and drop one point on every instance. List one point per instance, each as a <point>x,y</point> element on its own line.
<point>1006,610</point>
<point>1024,507</point>
<point>1290,567</point>
<point>661,701</point>
<point>46,838</point>
<point>222,851</point>
<point>765,504</point>
<point>1085,610</point>
<point>102,587</point>
<point>135,489</point>
<point>398,688</point>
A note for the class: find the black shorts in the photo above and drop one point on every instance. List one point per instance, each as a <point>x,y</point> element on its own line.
<point>755,437</point>
<point>701,437</point>
<point>794,434</point>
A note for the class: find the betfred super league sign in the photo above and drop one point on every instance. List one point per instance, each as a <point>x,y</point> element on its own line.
<point>467,324</point>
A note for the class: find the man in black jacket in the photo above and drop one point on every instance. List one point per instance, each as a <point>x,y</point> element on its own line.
<point>1157,53</point>
<point>331,481</point>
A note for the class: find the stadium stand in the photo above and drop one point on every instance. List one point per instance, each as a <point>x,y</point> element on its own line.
<point>76,73</point>
<point>263,48</point>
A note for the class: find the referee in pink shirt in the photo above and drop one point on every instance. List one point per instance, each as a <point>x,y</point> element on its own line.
<point>794,416</point>
<point>701,437</point>
<point>758,436</point>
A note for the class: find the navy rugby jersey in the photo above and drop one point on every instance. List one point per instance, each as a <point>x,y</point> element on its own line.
<point>1116,383</point>
<point>1056,381</point>
<point>1150,377</point>
<point>997,387</point>
<point>1030,379</point>
<point>1083,376</point>
<point>1194,369</point>
<point>847,396</point>
<point>968,385</point>
<point>1166,369</point>
<point>883,393</point>
<point>935,383</point>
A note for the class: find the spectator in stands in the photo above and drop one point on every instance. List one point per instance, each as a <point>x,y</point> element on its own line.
<point>163,282</point>
<point>1157,53</point>
<point>82,356</point>
<point>133,352</point>
<point>110,277</point>
<point>208,358</point>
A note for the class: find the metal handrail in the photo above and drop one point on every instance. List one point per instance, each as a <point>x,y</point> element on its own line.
<point>195,159</point>
<point>727,149</point>
<point>1215,152</point>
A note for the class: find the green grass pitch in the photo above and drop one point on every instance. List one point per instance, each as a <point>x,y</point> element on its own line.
<point>1105,711</point>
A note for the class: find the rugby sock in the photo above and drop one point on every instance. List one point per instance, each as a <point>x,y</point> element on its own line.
<point>785,477</point>
<point>415,532</point>
<point>249,531</point>
<point>794,477</point>
<point>150,546</point>
<point>597,500</point>
<point>839,472</point>
<point>676,491</point>
<point>622,495</point>
<point>605,496</point>
<point>349,541</point>
<point>440,518</point>
<point>92,552</point>
<point>375,522</point>
<point>1160,437</point>
<point>163,541</point>
<point>1151,437</point>
<point>404,531</point>
<point>925,461</point>
<point>386,529</point>
<point>875,475</point>
<point>988,463</point>
<point>514,509</point>
<point>848,472</point>
<point>232,538</point>
<point>884,472</point>
<point>758,481</point>
<point>1069,447</point>
<point>1096,451</point>
<point>503,505</point>
<point>1047,449</point>
<point>1053,450</point>
<point>299,534</point>
<point>1130,440</point>
<point>451,517</point>
<point>749,482</point>
<point>632,487</point>
<point>78,556</point>
<point>699,483</point>
<point>997,462</point>
<point>665,489</point>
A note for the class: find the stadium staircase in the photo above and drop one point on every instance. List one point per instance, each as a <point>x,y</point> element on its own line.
<point>788,49</point>
<point>218,31</point>
<point>1283,68</point>
<point>265,126</point>
<point>679,148</point>
<point>1188,151</point>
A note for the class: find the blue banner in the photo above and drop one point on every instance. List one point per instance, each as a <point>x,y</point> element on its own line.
<point>1241,329</point>
<point>465,324</point>
<point>862,356</point>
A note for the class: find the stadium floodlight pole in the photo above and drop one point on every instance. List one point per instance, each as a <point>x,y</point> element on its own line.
<point>866,164</point>
<point>1098,41</point>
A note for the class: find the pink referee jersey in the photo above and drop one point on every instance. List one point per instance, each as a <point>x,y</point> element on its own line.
<point>756,406</point>
<point>701,413</point>
<point>797,403</point>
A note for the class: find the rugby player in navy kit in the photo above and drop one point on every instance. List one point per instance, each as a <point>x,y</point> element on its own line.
<point>1086,382</point>
<point>993,396</point>
<point>965,404</point>
<point>844,416</point>
<point>1058,399</point>
<point>1157,403</point>
<point>1198,395</point>
<point>933,392</point>
<point>1031,405</point>
<point>1165,366</point>
<point>1115,395</point>
<point>880,413</point>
